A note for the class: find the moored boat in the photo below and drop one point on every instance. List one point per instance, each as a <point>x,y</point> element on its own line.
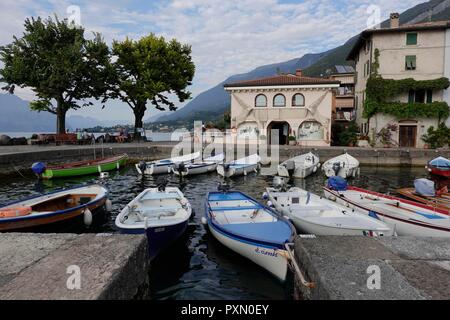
<point>405,217</point>
<point>344,166</point>
<point>164,166</point>
<point>161,213</point>
<point>239,167</point>
<point>207,165</point>
<point>424,192</point>
<point>80,168</point>
<point>79,204</point>
<point>439,166</point>
<point>250,229</point>
<point>301,166</point>
<point>312,214</point>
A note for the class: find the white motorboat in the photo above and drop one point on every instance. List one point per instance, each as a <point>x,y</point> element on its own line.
<point>312,214</point>
<point>207,165</point>
<point>299,167</point>
<point>239,167</point>
<point>161,213</point>
<point>165,165</point>
<point>344,166</point>
<point>405,217</point>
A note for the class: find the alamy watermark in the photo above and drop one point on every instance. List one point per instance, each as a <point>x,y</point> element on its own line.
<point>374,280</point>
<point>74,280</point>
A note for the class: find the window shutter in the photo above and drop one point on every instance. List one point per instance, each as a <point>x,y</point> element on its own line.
<point>411,96</point>
<point>429,96</point>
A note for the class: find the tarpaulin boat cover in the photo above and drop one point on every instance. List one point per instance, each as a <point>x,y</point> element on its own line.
<point>441,163</point>
<point>337,183</point>
<point>425,187</point>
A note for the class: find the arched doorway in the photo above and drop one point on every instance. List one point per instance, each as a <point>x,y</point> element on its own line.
<point>283,132</point>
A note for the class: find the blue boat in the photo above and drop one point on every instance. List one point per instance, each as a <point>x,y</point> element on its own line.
<point>251,229</point>
<point>162,214</point>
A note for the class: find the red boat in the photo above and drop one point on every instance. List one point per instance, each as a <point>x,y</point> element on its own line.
<point>439,167</point>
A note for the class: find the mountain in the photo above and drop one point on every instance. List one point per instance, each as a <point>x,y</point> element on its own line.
<point>16,116</point>
<point>215,101</point>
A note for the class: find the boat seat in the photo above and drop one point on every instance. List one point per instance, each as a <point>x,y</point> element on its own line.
<point>278,232</point>
<point>159,196</point>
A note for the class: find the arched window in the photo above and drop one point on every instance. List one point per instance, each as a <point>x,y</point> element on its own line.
<point>298,100</point>
<point>279,101</point>
<point>261,101</point>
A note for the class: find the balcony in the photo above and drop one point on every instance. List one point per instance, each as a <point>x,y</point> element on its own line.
<point>344,116</point>
<point>343,92</point>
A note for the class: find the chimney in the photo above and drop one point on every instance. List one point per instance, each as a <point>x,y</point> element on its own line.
<point>299,72</point>
<point>395,20</point>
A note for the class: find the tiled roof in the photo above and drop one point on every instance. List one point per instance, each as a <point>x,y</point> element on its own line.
<point>433,25</point>
<point>281,80</point>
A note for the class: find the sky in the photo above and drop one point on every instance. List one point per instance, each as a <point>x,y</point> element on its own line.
<point>227,37</point>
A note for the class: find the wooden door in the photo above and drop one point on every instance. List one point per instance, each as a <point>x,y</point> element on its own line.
<point>407,136</point>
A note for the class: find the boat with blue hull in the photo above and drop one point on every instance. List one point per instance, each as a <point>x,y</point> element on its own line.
<point>161,213</point>
<point>251,229</point>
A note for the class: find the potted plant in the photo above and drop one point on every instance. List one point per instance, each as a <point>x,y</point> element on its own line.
<point>292,141</point>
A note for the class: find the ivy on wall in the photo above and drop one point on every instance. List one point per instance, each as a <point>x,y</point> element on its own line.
<point>379,91</point>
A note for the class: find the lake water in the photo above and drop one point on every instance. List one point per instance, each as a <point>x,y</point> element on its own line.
<point>154,136</point>
<point>198,267</point>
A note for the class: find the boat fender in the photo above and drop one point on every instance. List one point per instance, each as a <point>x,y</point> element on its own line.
<point>265,196</point>
<point>204,221</point>
<point>117,165</point>
<point>270,204</point>
<point>104,175</point>
<point>108,205</point>
<point>315,169</point>
<point>38,168</point>
<point>99,168</point>
<point>87,217</point>
<point>245,172</point>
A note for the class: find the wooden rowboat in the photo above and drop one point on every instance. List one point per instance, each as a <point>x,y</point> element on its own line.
<point>51,209</point>
<point>440,202</point>
<point>80,168</point>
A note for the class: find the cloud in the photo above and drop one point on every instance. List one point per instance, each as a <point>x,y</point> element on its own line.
<point>227,37</point>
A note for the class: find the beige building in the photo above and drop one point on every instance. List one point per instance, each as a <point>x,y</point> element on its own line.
<point>295,105</point>
<point>344,99</point>
<point>419,51</point>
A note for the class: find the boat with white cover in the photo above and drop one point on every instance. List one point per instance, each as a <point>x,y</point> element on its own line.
<point>312,214</point>
<point>344,166</point>
<point>207,165</point>
<point>405,217</point>
<point>165,165</point>
<point>299,167</point>
<point>250,229</point>
<point>161,213</point>
<point>239,167</point>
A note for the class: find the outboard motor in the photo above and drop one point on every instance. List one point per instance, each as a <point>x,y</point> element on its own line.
<point>279,183</point>
<point>142,166</point>
<point>180,167</point>
<point>161,184</point>
<point>290,167</point>
<point>223,187</point>
<point>336,168</point>
<point>38,168</point>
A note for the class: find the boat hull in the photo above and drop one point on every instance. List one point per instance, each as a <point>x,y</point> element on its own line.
<point>191,170</point>
<point>402,227</point>
<point>85,170</point>
<point>53,220</point>
<point>236,171</point>
<point>272,259</point>
<point>155,170</point>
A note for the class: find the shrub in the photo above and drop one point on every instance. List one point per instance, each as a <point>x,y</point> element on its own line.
<point>437,138</point>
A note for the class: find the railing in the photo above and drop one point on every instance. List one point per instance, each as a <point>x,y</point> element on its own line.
<point>343,92</point>
<point>344,116</point>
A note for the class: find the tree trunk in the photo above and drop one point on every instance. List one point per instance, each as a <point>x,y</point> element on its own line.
<point>139,112</point>
<point>60,117</point>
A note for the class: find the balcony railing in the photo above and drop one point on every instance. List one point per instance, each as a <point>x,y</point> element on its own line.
<point>344,116</point>
<point>345,92</point>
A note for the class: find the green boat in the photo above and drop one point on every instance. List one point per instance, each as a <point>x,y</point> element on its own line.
<point>81,168</point>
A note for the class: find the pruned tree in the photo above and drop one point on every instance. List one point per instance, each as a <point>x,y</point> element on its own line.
<point>59,64</point>
<point>151,69</point>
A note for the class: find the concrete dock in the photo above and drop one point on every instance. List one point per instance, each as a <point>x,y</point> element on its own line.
<point>18,158</point>
<point>365,268</point>
<point>69,266</point>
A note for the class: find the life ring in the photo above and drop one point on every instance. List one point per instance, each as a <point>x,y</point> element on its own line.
<point>15,212</point>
